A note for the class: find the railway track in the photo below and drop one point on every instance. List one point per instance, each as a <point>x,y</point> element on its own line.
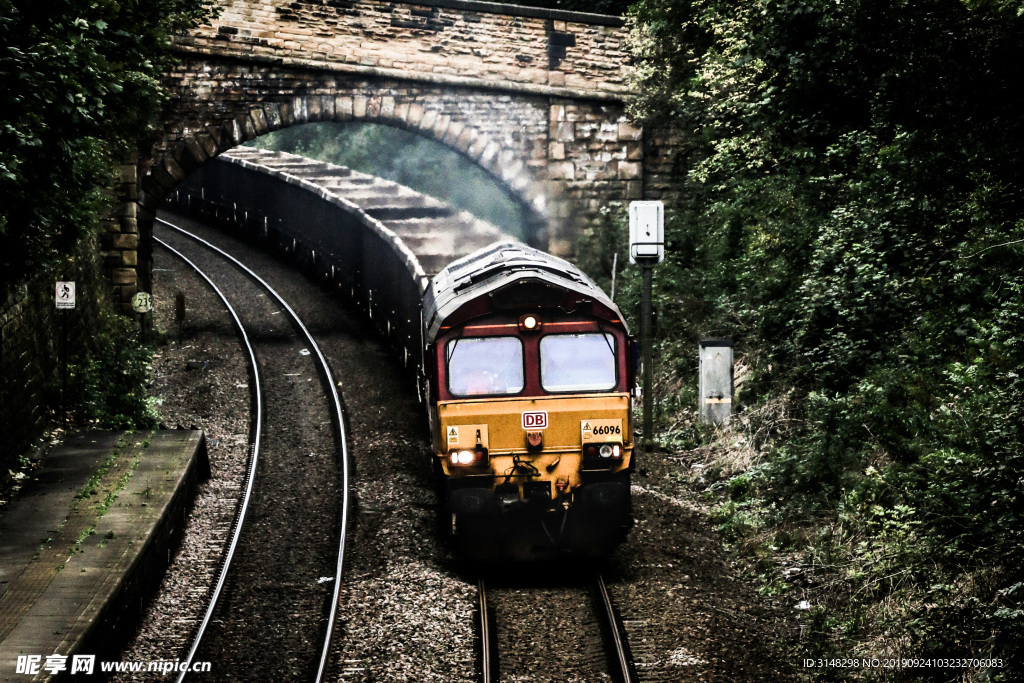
<point>286,552</point>
<point>523,627</point>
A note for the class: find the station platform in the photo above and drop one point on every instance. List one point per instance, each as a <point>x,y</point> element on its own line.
<point>84,546</point>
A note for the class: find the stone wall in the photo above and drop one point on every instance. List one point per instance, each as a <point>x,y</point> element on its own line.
<point>458,42</point>
<point>31,333</point>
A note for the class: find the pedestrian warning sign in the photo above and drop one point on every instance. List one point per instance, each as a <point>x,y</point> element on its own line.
<point>65,297</point>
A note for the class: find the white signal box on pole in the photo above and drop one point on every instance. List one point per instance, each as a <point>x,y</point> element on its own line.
<point>646,231</point>
<point>647,247</point>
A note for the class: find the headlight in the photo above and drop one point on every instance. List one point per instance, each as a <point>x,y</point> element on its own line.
<point>604,452</point>
<point>466,457</point>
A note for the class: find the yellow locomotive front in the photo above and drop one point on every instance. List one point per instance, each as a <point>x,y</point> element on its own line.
<point>529,369</point>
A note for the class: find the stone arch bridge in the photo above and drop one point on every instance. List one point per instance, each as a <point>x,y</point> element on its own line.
<point>535,97</point>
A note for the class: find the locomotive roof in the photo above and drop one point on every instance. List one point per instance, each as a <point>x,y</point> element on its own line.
<point>510,275</point>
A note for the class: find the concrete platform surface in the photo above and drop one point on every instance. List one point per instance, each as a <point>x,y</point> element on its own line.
<point>86,544</point>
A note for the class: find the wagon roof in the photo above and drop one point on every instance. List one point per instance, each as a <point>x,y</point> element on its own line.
<point>508,275</point>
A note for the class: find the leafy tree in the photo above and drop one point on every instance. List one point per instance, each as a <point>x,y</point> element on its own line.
<point>855,217</point>
<point>80,85</point>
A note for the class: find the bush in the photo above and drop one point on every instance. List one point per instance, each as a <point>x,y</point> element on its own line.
<point>107,383</point>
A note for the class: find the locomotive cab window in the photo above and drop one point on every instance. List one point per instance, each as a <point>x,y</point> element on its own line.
<point>485,366</point>
<point>577,362</point>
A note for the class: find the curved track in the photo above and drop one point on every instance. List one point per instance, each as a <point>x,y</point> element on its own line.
<point>336,417</point>
<point>543,615</point>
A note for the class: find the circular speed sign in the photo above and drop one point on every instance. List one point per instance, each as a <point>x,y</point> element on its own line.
<point>142,302</point>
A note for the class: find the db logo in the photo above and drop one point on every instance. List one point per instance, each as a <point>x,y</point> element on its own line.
<point>537,419</point>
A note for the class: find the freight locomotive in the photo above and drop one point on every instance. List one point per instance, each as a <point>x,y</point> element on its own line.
<point>528,369</point>
<point>524,364</point>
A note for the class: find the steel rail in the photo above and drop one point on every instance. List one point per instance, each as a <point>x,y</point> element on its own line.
<point>341,436</point>
<point>250,473</point>
<point>485,634</point>
<point>622,659</point>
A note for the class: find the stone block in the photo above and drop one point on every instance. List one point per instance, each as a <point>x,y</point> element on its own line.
<point>489,154</point>
<point>209,145</point>
<point>299,110</point>
<point>441,127</point>
<point>129,241</point>
<point>130,258</point>
<point>343,108</point>
<point>326,107</point>
<point>556,150</point>
<point>387,107</point>
<point>402,112</point>
<point>313,112</point>
<point>160,181</point>
<point>452,134</point>
<point>373,108</point>
<point>123,276</point>
<point>197,155</point>
<point>287,114</point>
<point>126,210</point>
<point>562,170</point>
<point>466,139</point>
<point>564,131</point>
<point>478,146</point>
<point>415,115</point>
<point>234,131</point>
<point>127,173</point>
<point>259,120</point>
<point>174,170</point>
<point>272,115</point>
<point>627,131</point>
<point>630,170</point>
<point>428,120</point>
<point>359,107</point>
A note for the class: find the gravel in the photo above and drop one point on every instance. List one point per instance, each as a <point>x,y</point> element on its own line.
<point>201,378</point>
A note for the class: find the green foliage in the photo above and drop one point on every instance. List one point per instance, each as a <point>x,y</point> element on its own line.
<point>107,383</point>
<point>854,216</point>
<point>407,158</point>
<point>80,85</point>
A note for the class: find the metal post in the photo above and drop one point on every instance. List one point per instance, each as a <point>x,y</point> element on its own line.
<point>647,268</point>
<point>615,263</point>
<point>64,373</point>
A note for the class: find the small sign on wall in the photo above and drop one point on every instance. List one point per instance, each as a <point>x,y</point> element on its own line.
<point>65,298</point>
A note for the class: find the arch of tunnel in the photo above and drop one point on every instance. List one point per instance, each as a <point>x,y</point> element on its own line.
<point>534,97</point>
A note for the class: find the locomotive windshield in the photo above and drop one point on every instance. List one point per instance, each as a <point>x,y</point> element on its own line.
<point>577,362</point>
<point>485,366</point>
